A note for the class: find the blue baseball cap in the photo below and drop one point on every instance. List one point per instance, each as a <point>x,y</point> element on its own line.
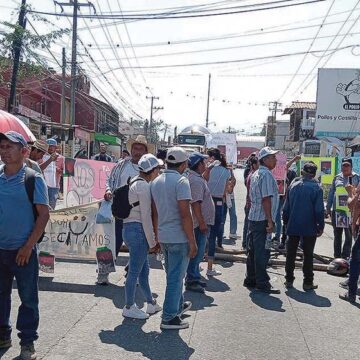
<point>51,142</point>
<point>195,158</point>
<point>14,137</point>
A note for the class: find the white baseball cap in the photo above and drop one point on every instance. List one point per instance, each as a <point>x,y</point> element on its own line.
<point>265,151</point>
<point>149,162</point>
<point>176,155</point>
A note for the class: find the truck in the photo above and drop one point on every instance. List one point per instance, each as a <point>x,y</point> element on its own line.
<point>193,138</point>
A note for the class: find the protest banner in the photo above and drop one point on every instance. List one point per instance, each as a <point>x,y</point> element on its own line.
<point>341,196</point>
<point>85,180</point>
<point>280,172</point>
<point>73,233</point>
<point>226,143</point>
<point>326,167</point>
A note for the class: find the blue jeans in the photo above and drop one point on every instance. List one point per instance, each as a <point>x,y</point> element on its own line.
<point>176,262</point>
<point>246,228</point>
<point>118,235</point>
<point>193,270</point>
<point>278,225</point>
<point>258,256</point>
<point>135,240</point>
<point>27,283</point>
<point>354,267</point>
<point>233,216</point>
<point>216,230</point>
<point>53,196</point>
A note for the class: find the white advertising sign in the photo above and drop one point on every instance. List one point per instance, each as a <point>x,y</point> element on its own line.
<point>338,103</point>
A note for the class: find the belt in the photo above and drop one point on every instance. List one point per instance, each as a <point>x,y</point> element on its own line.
<point>217,198</point>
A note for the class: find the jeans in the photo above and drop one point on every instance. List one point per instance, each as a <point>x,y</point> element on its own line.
<point>354,267</point>
<point>308,248</point>
<point>193,270</point>
<point>258,257</point>
<point>246,228</point>
<point>346,249</point>
<point>216,230</point>
<point>233,216</point>
<point>278,225</point>
<point>118,235</point>
<point>53,196</point>
<point>176,258</point>
<point>27,283</point>
<point>135,240</point>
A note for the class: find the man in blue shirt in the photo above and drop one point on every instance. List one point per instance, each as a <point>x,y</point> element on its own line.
<point>173,227</point>
<point>346,177</point>
<point>19,233</point>
<point>303,215</point>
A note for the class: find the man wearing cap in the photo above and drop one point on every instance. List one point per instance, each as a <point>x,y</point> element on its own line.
<point>264,199</point>
<point>102,155</point>
<point>203,210</point>
<point>19,233</point>
<point>53,171</point>
<point>37,150</point>
<point>346,177</point>
<point>171,195</point>
<point>303,214</point>
<point>120,174</point>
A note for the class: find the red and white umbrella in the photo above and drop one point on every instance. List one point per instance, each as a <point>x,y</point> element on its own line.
<point>9,122</point>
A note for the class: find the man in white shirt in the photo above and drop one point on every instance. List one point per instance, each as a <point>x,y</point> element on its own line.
<point>121,172</point>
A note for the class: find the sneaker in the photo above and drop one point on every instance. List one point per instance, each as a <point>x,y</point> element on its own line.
<point>174,324</point>
<point>5,343</point>
<point>28,352</point>
<point>289,284</point>
<point>186,307</point>
<point>347,297</point>
<point>103,279</point>
<point>134,312</point>
<point>233,236</point>
<point>152,308</point>
<point>213,272</point>
<point>195,288</point>
<point>268,290</point>
<point>308,287</point>
<point>344,284</point>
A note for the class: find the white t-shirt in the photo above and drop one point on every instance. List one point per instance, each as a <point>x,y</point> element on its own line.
<point>50,172</point>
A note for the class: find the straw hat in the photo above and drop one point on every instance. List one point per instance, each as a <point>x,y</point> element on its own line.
<point>41,145</point>
<point>140,139</point>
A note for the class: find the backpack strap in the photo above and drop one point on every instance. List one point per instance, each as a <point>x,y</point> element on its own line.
<point>130,182</point>
<point>30,187</point>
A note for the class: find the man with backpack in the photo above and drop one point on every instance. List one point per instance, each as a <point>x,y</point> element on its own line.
<point>119,176</point>
<point>22,223</point>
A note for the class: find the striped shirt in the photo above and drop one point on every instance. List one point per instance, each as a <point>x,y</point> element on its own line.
<point>121,172</point>
<point>263,185</point>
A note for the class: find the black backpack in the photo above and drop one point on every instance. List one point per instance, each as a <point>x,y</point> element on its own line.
<point>121,206</point>
<point>30,188</point>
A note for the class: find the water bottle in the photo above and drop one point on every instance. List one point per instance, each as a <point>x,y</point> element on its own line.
<point>268,241</point>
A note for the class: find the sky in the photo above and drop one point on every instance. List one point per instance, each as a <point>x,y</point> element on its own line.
<point>240,91</point>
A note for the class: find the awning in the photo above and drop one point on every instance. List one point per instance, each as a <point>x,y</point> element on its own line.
<point>108,139</point>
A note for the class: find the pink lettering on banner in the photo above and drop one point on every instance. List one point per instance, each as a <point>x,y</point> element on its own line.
<point>86,180</point>
<point>280,172</point>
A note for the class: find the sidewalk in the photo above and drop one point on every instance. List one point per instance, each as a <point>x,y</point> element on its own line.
<point>80,320</point>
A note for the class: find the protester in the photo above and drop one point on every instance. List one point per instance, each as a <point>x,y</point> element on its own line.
<point>247,169</point>
<point>230,205</point>
<point>124,170</point>
<point>203,210</point>
<point>139,237</point>
<point>254,165</point>
<point>303,215</point>
<point>174,226</point>
<point>102,155</point>
<point>347,176</point>
<point>354,205</point>
<point>37,150</point>
<point>264,199</point>
<point>53,171</point>
<point>125,154</point>
<point>19,233</point>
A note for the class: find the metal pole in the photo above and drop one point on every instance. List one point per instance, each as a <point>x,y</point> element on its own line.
<point>17,44</point>
<point>208,102</point>
<point>63,106</point>
<point>151,119</point>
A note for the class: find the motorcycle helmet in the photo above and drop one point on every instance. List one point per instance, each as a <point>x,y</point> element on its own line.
<point>338,267</point>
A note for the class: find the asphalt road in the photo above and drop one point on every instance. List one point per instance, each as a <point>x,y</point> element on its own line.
<point>80,320</point>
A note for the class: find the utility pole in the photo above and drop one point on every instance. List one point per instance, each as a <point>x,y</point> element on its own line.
<point>63,103</point>
<point>208,103</point>
<point>274,108</point>
<point>152,110</point>
<point>17,44</point>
